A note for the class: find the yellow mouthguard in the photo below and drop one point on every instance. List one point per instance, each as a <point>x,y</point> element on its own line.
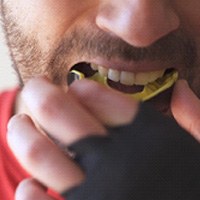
<point>150,90</point>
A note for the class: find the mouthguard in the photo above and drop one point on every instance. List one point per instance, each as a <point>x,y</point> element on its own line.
<point>149,91</point>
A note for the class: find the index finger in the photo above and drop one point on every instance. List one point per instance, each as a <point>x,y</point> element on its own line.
<point>185,107</point>
<point>59,114</point>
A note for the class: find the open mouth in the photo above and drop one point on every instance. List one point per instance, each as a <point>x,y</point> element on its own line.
<point>141,86</point>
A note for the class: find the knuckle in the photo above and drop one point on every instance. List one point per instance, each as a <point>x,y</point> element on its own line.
<point>36,151</point>
<point>84,87</point>
<point>49,104</point>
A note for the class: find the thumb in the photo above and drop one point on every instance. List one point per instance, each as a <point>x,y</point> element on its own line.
<point>185,107</point>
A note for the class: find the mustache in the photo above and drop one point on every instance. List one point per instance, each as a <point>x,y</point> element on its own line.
<point>87,41</point>
<point>175,47</point>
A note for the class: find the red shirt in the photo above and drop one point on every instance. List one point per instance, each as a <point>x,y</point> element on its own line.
<point>11,173</point>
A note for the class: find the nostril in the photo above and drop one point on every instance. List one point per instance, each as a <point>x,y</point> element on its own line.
<point>139,23</point>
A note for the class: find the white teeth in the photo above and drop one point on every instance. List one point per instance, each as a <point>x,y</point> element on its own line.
<point>155,75</point>
<point>103,71</point>
<point>128,78</point>
<point>141,78</point>
<point>94,66</point>
<point>114,75</point>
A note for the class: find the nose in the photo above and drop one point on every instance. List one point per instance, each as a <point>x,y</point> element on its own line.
<point>138,22</point>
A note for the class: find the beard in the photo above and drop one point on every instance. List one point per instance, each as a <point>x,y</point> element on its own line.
<point>86,42</point>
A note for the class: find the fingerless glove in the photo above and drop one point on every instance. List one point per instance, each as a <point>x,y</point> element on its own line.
<point>150,159</point>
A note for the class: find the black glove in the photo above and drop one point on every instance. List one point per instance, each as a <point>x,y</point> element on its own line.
<point>150,159</point>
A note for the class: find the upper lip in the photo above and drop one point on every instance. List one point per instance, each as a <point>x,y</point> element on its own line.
<point>135,67</point>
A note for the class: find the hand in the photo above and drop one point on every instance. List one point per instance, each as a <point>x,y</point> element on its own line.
<point>185,107</point>
<point>85,109</point>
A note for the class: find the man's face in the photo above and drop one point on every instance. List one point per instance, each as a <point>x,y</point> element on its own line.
<point>130,41</point>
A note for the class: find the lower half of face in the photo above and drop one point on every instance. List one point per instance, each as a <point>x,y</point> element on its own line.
<point>40,46</point>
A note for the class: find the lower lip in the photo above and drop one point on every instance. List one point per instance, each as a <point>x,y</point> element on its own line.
<point>142,66</point>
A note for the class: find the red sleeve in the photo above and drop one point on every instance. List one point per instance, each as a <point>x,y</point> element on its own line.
<point>11,173</point>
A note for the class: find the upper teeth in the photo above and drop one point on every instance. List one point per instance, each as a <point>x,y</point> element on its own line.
<point>128,78</point>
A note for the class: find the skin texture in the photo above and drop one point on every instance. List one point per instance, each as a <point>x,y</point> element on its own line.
<point>47,37</point>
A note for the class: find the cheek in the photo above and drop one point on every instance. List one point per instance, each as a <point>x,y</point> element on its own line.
<point>189,12</point>
<point>46,20</point>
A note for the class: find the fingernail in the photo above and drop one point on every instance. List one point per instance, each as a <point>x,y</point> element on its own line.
<point>182,82</point>
<point>16,118</point>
